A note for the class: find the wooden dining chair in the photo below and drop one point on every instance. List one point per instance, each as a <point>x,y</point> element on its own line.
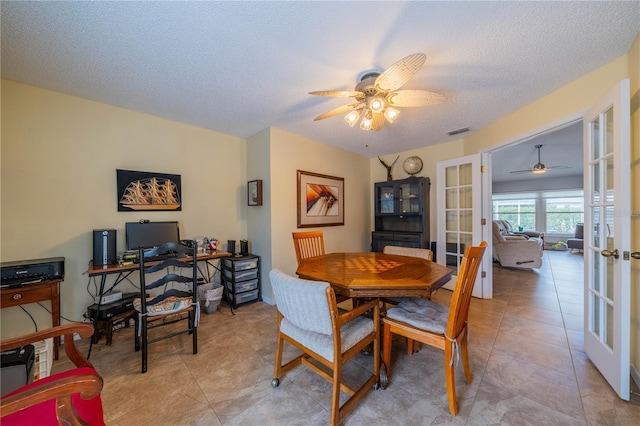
<point>404,251</point>
<point>309,319</point>
<point>409,251</point>
<point>437,325</point>
<point>311,244</point>
<point>308,244</point>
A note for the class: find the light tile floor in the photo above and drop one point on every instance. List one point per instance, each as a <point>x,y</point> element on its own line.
<point>526,353</point>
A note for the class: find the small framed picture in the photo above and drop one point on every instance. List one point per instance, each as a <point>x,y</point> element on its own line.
<point>254,193</point>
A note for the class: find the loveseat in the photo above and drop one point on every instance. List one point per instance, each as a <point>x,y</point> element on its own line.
<point>516,251</point>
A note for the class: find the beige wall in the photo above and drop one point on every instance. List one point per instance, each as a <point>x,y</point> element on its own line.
<point>290,152</point>
<point>59,159</point>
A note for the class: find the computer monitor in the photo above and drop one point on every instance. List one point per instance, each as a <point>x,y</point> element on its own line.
<point>151,234</point>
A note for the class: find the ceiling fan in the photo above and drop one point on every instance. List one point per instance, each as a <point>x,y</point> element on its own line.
<point>377,94</point>
<point>539,167</point>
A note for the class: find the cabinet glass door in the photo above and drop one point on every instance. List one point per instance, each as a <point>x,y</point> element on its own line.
<point>409,197</point>
<point>385,199</point>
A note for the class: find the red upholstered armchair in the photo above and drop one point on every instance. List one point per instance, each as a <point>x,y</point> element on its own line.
<point>70,397</point>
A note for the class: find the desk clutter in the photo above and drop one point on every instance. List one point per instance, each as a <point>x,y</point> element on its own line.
<point>239,272</point>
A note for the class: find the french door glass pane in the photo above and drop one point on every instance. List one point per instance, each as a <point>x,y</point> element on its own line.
<point>465,174</point>
<point>608,136</point>
<point>609,326</point>
<point>465,197</point>
<point>451,176</point>
<point>466,220</point>
<point>609,182</point>
<point>595,138</point>
<point>452,198</point>
<point>595,319</point>
<point>452,220</point>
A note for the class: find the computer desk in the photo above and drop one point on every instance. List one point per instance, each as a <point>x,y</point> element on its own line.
<point>123,272</point>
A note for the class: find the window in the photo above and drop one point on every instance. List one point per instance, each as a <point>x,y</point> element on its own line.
<point>551,212</point>
<point>521,213</point>
<point>562,214</point>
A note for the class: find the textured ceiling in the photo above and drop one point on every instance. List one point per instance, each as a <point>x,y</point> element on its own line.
<point>240,67</point>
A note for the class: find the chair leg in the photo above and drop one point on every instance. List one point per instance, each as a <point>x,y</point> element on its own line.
<point>143,343</point>
<point>335,398</point>
<point>450,378</point>
<point>410,343</point>
<point>277,370</point>
<point>464,353</point>
<point>136,328</point>
<point>192,314</point>
<point>386,347</point>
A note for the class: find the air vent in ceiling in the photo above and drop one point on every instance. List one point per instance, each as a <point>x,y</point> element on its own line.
<point>458,131</point>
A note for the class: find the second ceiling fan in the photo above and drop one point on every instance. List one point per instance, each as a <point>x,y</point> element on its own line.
<point>539,167</point>
<point>377,94</point>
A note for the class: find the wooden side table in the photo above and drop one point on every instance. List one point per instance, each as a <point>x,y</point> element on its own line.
<point>32,293</point>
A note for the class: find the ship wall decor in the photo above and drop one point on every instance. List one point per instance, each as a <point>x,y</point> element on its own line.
<point>148,191</point>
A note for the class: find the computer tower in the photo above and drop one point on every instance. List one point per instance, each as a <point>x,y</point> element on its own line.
<point>104,247</point>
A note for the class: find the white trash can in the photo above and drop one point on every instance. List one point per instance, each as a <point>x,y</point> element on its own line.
<point>209,296</point>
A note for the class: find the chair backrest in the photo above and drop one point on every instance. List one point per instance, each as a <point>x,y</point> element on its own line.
<point>459,307</point>
<point>579,232</point>
<point>308,244</point>
<point>497,234</point>
<point>409,251</point>
<point>306,304</point>
<point>171,274</point>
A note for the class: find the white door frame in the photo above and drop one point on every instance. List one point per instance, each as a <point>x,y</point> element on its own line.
<point>487,187</point>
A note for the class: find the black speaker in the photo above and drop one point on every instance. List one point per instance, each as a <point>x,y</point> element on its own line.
<point>104,247</point>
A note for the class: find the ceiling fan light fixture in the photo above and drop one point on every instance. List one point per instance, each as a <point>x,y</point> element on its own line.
<point>376,104</point>
<point>391,114</point>
<point>352,117</point>
<point>366,122</point>
<point>539,168</point>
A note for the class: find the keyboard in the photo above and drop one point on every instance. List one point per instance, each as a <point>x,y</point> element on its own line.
<point>157,258</point>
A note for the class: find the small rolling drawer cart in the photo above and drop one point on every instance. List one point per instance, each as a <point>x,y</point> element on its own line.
<point>241,278</point>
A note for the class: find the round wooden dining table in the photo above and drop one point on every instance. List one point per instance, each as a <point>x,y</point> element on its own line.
<point>374,274</point>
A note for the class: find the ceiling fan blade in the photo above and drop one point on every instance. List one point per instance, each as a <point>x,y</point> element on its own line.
<point>558,167</point>
<point>338,93</point>
<point>414,98</point>
<point>378,121</point>
<point>399,73</point>
<point>522,171</point>
<point>340,110</point>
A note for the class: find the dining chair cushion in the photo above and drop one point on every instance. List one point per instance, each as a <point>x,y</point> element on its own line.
<point>351,333</point>
<point>421,313</point>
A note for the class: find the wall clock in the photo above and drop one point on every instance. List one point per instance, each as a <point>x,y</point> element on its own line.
<point>412,165</point>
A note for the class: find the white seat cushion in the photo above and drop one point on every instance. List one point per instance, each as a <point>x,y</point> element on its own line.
<point>421,313</point>
<point>351,333</point>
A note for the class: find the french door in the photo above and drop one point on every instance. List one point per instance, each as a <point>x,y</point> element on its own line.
<point>607,237</point>
<point>459,215</point>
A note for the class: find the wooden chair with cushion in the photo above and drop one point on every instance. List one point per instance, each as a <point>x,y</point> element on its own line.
<point>404,251</point>
<point>409,251</point>
<point>308,244</point>
<point>70,397</point>
<point>160,303</point>
<point>311,244</point>
<point>437,325</point>
<point>308,318</point>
